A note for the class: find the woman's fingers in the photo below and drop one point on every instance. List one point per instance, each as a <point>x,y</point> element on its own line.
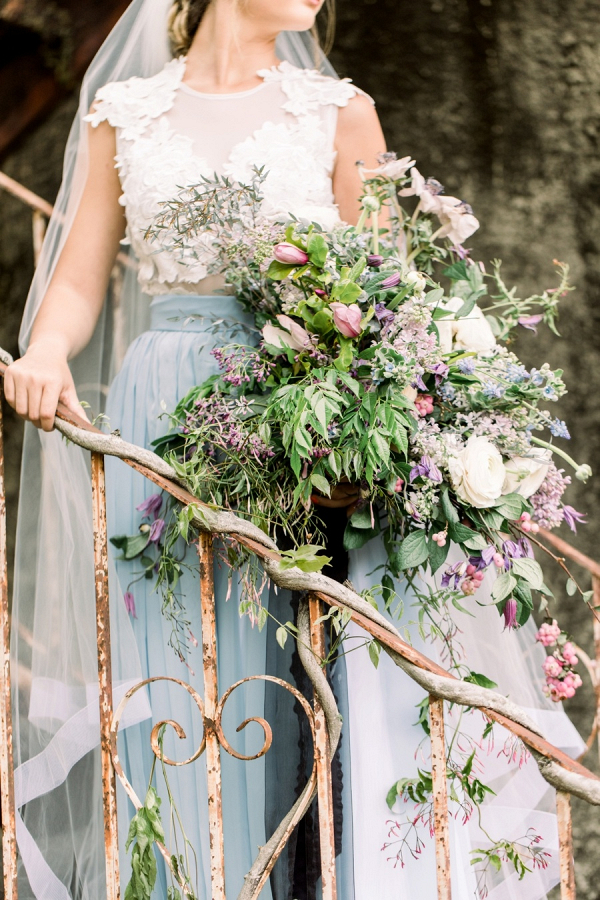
<point>71,401</point>
<point>48,405</point>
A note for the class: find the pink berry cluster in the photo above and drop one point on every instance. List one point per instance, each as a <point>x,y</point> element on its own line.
<point>472,580</point>
<point>527,525</point>
<point>561,680</point>
<point>424,404</point>
<point>440,538</point>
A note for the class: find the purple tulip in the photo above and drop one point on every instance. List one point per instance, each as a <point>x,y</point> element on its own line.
<point>130,604</point>
<point>572,516</point>
<point>290,255</point>
<point>391,281</point>
<point>320,292</point>
<point>156,530</point>
<point>374,260</point>
<point>510,613</point>
<point>151,506</point>
<point>347,319</point>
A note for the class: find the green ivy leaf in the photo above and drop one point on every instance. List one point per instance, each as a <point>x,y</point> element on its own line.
<point>530,570</point>
<point>316,249</point>
<point>481,680</point>
<point>503,587</point>
<point>413,550</point>
<point>511,506</point>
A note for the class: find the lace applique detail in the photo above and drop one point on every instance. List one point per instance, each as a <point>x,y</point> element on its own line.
<point>308,89</point>
<point>133,104</point>
<point>155,161</point>
<point>299,166</point>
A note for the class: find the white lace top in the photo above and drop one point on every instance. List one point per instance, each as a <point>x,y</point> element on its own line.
<point>169,136</point>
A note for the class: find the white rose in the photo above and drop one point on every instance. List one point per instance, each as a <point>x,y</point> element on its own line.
<point>417,279</point>
<point>472,332</point>
<point>525,474</point>
<point>478,473</point>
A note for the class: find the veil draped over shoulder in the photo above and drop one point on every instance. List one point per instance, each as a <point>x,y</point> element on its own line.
<point>56,720</point>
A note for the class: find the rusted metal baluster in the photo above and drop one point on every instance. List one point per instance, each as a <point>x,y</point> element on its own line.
<point>213,757</point>
<point>440,798</point>
<point>109,792</point>
<point>565,842</point>
<point>322,751</point>
<point>9,841</point>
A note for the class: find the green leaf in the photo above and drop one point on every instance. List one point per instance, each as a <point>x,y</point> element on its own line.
<point>457,271</point>
<point>278,271</point>
<point>437,555</point>
<point>281,635</point>
<point>321,484</point>
<point>131,546</point>
<point>530,570</point>
<point>481,680</point>
<point>355,538</point>
<point>460,533</point>
<point>447,507</point>
<point>374,652</point>
<point>476,543</point>
<point>362,518</point>
<point>379,447</point>
<point>413,550</point>
<point>503,587</point>
<point>392,795</point>
<point>511,506</point>
<point>307,558</point>
<point>317,249</point>
<point>571,587</point>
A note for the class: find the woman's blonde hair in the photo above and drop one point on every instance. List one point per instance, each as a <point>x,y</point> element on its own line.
<point>185,17</point>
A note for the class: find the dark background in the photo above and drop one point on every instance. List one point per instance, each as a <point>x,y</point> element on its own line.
<point>499,99</point>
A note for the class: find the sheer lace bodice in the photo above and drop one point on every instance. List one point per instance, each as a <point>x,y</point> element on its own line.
<point>170,136</point>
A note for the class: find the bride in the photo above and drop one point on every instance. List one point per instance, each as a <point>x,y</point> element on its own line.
<point>178,92</point>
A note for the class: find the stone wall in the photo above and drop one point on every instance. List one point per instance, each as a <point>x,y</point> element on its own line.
<point>500,100</point>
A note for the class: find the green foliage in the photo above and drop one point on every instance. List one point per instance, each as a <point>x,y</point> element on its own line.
<point>145,828</point>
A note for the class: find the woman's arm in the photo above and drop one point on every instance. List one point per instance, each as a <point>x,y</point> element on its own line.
<point>358,137</point>
<point>67,317</point>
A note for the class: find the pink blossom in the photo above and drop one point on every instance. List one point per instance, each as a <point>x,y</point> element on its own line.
<point>424,404</point>
<point>569,655</point>
<point>548,633</point>
<point>510,613</point>
<point>156,530</point>
<point>347,319</point>
<point>399,485</point>
<point>291,335</point>
<point>130,604</point>
<point>290,255</point>
<point>552,667</point>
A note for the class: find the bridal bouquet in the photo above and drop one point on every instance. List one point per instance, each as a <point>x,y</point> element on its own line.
<point>380,358</point>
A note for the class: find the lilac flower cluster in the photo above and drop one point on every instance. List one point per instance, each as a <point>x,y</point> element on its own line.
<point>547,505</point>
<point>217,421</point>
<point>241,365</point>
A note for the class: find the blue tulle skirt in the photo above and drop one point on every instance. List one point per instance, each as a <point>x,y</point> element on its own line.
<point>159,369</point>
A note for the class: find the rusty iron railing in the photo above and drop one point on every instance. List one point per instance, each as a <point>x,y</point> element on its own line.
<point>211,708</point>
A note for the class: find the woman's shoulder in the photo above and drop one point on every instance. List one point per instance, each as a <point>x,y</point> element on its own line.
<point>308,89</point>
<point>131,104</point>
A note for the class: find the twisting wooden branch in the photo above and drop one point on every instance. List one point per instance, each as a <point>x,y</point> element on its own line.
<point>557,768</point>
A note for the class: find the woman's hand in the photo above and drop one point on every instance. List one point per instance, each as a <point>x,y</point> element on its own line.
<point>35,384</point>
